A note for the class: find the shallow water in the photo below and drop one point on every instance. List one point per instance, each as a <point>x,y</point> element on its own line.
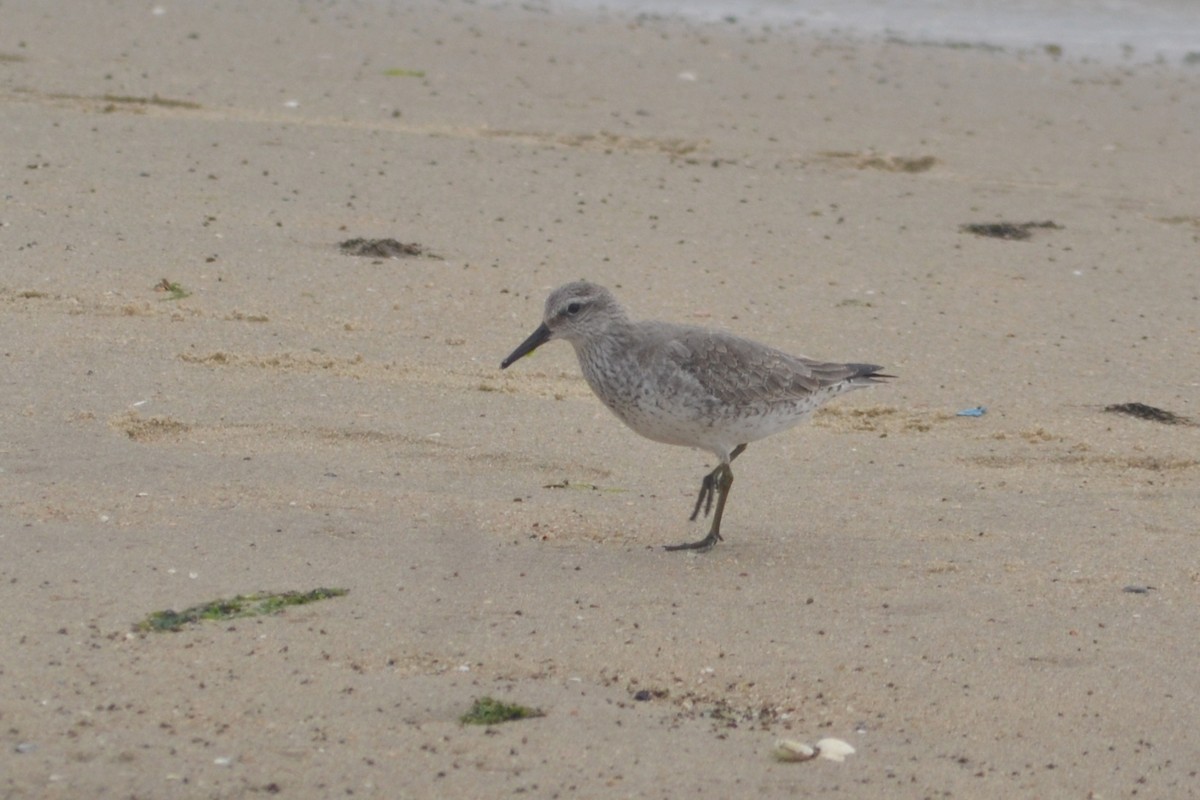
<point>1133,31</point>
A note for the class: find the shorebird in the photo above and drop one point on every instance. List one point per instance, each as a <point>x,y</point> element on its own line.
<point>690,386</point>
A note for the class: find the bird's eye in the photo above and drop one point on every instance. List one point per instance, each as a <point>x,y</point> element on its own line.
<point>573,308</point>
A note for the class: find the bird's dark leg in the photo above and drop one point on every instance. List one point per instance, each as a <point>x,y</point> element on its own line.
<point>705,496</point>
<point>707,485</point>
<point>721,479</point>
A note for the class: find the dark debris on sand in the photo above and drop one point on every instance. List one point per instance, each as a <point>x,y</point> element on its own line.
<point>1143,411</point>
<point>1014,231</point>
<point>384,248</point>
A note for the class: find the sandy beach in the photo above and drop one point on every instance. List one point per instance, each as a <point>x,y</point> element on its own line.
<point>205,397</point>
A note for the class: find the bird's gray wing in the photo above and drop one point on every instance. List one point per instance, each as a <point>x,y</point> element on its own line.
<point>728,368</point>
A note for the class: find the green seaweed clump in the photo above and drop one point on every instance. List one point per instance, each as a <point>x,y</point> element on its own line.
<point>489,711</point>
<point>243,605</point>
<point>175,291</point>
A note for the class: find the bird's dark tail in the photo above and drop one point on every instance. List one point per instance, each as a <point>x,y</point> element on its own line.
<point>862,374</point>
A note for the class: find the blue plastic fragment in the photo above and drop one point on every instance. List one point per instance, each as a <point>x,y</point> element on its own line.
<point>977,411</point>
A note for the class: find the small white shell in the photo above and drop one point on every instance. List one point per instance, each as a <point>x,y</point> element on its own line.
<point>791,750</point>
<point>834,749</point>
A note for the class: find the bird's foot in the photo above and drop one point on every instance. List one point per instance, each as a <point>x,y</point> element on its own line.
<point>702,546</point>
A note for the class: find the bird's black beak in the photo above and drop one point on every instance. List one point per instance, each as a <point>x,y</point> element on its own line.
<point>535,340</point>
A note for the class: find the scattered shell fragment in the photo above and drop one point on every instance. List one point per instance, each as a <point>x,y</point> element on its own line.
<point>834,749</point>
<point>791,750</point>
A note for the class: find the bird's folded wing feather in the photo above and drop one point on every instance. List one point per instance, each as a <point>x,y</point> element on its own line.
<point>727,366</point>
